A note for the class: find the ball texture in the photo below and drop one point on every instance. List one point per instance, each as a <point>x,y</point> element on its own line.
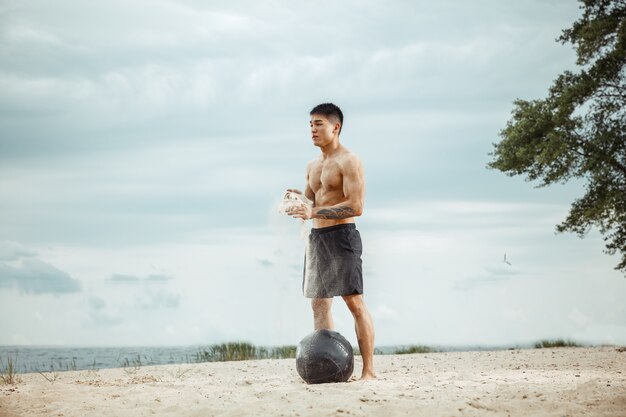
<point>324,356</point>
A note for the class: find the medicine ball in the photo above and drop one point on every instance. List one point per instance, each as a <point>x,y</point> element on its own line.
<point>324,356</point>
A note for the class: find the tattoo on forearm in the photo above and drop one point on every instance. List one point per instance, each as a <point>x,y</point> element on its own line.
<point>340,212</point>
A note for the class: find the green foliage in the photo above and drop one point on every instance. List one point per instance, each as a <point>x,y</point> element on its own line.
<point>239,351</point>
<point>8,371</point>
<point>414,349</point>
<point>283,352</point>
<point>234,351</point>
<point>579,130</point>
<point>556,343</point>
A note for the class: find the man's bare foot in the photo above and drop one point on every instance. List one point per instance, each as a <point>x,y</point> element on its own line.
<point>366,376</point>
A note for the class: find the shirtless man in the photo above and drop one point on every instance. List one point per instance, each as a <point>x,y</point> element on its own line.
<point>335,184</point>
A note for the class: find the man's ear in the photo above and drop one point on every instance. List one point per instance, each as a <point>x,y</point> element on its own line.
<point>337,127</point>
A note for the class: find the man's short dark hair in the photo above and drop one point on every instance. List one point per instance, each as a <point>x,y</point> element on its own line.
<point>329,110</point>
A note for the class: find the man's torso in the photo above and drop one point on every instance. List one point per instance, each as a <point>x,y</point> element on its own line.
<point>325,179</point>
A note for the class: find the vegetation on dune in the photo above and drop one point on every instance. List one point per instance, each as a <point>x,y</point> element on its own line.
<point>8,371</point>
<point>241,351</point>
<point>414,349</point>
<point>556,343</point>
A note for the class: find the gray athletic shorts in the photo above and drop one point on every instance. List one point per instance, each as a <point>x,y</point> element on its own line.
<point>332,262</point>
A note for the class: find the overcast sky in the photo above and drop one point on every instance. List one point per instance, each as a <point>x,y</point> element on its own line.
<point>145,145</point>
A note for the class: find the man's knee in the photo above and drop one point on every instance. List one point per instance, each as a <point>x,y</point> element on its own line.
<point>355,305</point>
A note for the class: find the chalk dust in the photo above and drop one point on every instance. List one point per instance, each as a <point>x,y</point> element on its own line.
<point>290,200</point>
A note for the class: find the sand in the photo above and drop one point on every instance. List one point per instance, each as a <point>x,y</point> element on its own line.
<point>533,382</point>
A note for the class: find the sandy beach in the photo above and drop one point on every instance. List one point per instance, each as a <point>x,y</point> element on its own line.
<point>533,382</point>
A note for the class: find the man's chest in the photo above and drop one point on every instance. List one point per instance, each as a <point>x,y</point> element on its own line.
<point>326,176</point>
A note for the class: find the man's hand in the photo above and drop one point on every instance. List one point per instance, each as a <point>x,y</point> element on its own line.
<point>301,211</point>
<point>301,207</point>
<point>294,191</point>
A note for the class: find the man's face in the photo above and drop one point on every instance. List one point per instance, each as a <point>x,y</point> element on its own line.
<point>323,129</point>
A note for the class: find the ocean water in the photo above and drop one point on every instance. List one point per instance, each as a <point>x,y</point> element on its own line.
<point>47,358</point>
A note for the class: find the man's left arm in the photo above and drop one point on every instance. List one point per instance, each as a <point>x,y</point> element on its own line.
<point>353,190</point>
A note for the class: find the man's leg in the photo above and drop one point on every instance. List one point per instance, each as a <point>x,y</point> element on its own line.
<point>364,332</point>
<point>322,317</point>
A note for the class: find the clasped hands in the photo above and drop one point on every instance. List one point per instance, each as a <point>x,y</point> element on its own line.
<point>301,208</point>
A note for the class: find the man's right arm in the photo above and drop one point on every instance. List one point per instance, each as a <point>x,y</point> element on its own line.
<point>308,191</point>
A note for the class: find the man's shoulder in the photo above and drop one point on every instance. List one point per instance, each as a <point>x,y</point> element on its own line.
<point>313,162</point>
<point>349,158</point>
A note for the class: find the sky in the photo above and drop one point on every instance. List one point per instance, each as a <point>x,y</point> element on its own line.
<point>145,147</point>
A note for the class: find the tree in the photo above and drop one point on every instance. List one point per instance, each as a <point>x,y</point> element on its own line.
<point>578,131</point>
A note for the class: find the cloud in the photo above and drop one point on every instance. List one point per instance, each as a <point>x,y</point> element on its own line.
<point>176,110</point>
<point>12,251</point>
<point>145,297</point>
<point>131,279</point>
<point>158,278</point>
<point>265,262</point>
<point>384,313</point>
<point>491,275</point>
<point>196,69</point>
<point>96,303</point>
<point>37,277</point>
<point>151,300</point>
<point>124,279</point>
<point>100,314</point>
<point>466,214</point>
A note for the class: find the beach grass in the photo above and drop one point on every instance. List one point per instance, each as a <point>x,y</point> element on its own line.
<point>282,352</point>
<point>8,371</point>
<point>132,366</point>
<point>52,374</point>
<point>414,349</point>
<point>241,351</point>
<point>555,343</point>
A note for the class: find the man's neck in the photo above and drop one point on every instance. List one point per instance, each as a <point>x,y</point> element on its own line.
<point>331,148</point>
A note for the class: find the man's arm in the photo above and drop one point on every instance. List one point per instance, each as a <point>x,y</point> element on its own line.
<point>353,190</point>
<point>308,191</point>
